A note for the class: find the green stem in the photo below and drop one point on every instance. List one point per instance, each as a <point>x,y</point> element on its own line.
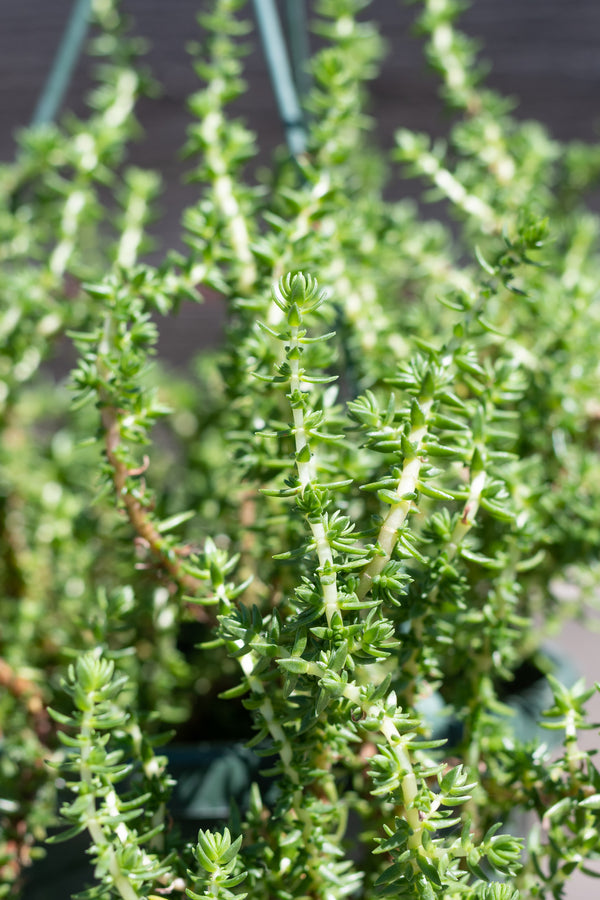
<point>307,475</point>
<point>398,512</point>
<point>133,231</point>
<point>408,785</point>
<point>457,193</point>
<point>225,200</point>
<point>72,210</point>
<point>99,838</point>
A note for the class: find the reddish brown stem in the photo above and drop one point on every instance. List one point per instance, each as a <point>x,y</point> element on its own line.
<point>138,516</point>
<point>30,694</point>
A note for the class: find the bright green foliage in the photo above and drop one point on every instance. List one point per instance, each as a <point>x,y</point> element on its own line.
<point>347,523</point>
<point>217,856</point>
<point>118,826</point>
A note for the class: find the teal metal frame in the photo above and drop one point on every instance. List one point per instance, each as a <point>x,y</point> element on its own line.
<point>61,72</point>
<point>289,79</point>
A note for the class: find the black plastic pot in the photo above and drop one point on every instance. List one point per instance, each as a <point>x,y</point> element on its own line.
<point>527,696</point>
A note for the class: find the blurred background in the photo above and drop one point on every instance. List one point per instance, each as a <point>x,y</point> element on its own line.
<point>544,53</point>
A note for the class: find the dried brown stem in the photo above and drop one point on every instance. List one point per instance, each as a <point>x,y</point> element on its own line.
<point>168,558</point>
<point>12,544</point>
<point>30,694</point>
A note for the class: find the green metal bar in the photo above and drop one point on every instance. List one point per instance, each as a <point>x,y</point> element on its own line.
<point>297,31</point>
<point>286,95</point>
<point>66,57</point>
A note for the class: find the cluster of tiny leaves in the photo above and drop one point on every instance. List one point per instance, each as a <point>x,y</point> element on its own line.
<point>363,504</point>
